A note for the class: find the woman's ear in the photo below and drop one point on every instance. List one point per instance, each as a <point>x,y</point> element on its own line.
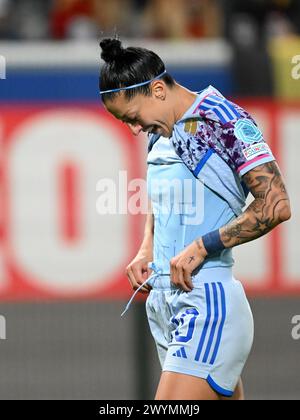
<point>159,90</point>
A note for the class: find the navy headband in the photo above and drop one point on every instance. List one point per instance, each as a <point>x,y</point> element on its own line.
<point>133,86</point>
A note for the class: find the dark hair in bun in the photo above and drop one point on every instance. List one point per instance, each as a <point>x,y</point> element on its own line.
<point>129,66</point>
<point>111,50</point>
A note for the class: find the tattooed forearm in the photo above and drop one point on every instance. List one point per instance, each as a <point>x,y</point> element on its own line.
<point>270,207</point>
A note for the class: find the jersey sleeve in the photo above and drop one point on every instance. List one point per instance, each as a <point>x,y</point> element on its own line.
<point>237,137</point>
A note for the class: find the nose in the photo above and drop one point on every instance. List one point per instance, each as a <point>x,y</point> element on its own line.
<point>135,129</point>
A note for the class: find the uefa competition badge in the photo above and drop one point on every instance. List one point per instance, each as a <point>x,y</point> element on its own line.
<point>247,131</point>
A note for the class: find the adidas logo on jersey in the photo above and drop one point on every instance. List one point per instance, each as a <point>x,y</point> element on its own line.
<point>180,353</point>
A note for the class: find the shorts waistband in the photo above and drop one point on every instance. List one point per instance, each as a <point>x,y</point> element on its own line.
<point>158,280</point>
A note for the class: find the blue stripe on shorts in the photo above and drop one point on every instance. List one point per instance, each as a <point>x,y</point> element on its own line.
<point>212,329</point>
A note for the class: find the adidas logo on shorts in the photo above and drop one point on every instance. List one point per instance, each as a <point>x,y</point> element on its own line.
<point>180,353</point>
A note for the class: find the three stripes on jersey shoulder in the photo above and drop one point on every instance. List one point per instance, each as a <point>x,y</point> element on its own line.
<point>221,107</point>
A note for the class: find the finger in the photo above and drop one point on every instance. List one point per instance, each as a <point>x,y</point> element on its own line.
<point>173,271</point>
<point>173,275</point>
<point>187,279</point>
<point>146,274</point>
<point>130,276</point>
<point>136,276</point>
<point>137,273</point>
<point>144,290</point>
<point>141,275</point>
<point>182,283</point>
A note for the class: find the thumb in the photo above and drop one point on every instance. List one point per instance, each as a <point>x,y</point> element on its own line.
<point>146,272</point>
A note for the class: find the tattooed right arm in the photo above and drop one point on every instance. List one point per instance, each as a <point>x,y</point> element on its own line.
<point>270,207</point>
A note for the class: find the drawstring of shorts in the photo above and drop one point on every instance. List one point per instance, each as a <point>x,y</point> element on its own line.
<point>157,272</point>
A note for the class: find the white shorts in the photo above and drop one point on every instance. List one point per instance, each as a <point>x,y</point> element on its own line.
<point>206,333</point>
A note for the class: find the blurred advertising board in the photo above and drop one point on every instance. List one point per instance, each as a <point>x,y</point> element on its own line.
<point>54,243</point>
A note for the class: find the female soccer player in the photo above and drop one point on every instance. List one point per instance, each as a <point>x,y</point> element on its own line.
<point>198,313</point>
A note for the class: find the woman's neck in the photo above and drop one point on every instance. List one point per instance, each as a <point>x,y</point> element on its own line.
<point>183,100</point>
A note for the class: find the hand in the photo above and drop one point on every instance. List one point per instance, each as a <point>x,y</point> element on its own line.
<point>182,266</point>
<point>138,272</point>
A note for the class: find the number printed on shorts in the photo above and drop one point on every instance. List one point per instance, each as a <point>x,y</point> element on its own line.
<point>185,322</point>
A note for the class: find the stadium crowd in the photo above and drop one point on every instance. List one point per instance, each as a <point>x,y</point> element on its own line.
<point>170,19</point>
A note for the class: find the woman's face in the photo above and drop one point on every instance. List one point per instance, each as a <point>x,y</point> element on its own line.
<point>145,113</point>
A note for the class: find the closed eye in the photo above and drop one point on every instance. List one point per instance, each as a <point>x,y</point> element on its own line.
<point>132,121</point>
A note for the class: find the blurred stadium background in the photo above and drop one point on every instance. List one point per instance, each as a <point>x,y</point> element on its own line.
<point>62,286</point>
